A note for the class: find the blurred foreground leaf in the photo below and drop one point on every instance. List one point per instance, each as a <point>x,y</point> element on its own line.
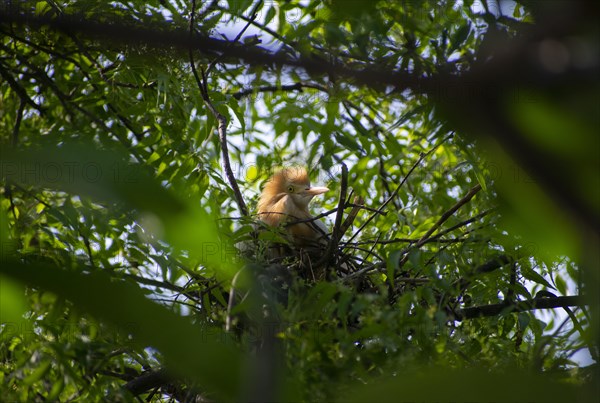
<point>189,350</point>
<point>447,385</point>
<point>108,176</point>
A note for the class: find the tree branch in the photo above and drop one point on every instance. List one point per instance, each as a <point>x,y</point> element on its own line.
<point>147,381</point>
<point>449,214</point>
<point>389,199</point>
<point>222,122</point>
<point>484,85</point>
<point>237,37</point>
<point>273,88</point>
<point>519,306</point>
<point>331,251</point>
<point>460,224</point>
<point>487,267</point>
<point>163,36</point>
<point>17,126</point>
<point>340,209</point>
<point>20,91</point>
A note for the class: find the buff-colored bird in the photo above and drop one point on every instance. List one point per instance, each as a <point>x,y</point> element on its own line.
<point>284,203</point>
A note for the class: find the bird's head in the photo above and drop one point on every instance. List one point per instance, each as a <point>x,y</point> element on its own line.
<point>292,183</point>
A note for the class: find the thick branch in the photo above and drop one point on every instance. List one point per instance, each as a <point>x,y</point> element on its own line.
<point>147,381</point>
<point>122,32</point>
<point>474,95</point>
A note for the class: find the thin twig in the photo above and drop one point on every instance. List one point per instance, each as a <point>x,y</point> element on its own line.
<point>335,236</point>
<point>238,36</point>
<point>70,107</point>
<point>88,247</point>
<point>461,224</point>
<point>13,207</point>
<point>386,202</point>
<point>435,238</point>
<point>155,283</point>
<point>360,205</point>
<point>362,271</point>
<point>356,207</point>
<point>20,91</point>
<point>346,103</point>
<point>231,301</point>
<point>449,213</point>
<point>17,127</point>
<point>368,251</point>
<point>122,118</point>
<point>409,241</point>
<point>520,306</point>
<point>341,204</point>
<point>257,25</point>
<point>299,86</point>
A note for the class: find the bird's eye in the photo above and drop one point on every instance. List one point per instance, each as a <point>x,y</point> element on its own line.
<point>290,189</point>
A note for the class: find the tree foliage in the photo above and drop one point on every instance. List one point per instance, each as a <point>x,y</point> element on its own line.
<point>136,136</point>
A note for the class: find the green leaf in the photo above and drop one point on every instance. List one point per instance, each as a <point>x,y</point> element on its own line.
<point>237,112</point>
<point>561,285</point>
<point>38,374</point>
<point>57,388</point>
<point>13,303</point>
<point>523,319</point>
<point>347,141</point>
<point>534,276</point>
<point>270,14</point>
<point>414,257</point>
<point>42,8</point>
<point>393,262</point>
<point>459,37</point>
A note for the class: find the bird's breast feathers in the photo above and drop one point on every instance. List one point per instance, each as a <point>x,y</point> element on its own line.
<point>285,212</point>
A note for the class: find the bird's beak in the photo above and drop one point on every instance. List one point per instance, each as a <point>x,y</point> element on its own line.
<point>313,191</point>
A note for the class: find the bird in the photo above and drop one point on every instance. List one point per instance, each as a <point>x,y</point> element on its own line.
<point>284,203</point>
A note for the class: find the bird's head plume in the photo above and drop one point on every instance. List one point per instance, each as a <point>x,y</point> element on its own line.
<point>289,187</point>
